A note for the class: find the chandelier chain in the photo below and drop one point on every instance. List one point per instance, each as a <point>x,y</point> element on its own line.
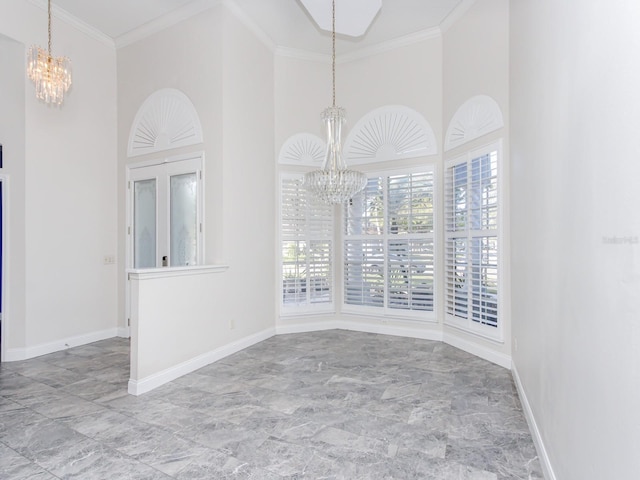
<point>334,183</point>
<point>49,26</point>
<point>333,53</point>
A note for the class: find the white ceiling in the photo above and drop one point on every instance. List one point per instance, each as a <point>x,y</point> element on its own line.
<point>285,23</point>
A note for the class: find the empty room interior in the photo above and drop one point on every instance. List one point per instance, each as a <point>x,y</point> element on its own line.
<point>355,239</point>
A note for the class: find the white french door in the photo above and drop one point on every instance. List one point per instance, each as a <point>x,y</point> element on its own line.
<point>165,214</point>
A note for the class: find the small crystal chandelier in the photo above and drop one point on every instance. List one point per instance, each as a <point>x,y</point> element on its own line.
<point>334,183</point>
<point>52,76</point>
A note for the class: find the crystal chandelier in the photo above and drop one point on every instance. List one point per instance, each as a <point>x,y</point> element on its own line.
<point>52,76</point>
<point>334,183</point>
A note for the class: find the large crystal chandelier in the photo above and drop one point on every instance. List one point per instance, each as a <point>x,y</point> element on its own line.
<point>52,76</point>
<point>334,183</point>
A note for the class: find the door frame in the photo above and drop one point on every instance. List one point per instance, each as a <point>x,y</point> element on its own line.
<point>4,271</point>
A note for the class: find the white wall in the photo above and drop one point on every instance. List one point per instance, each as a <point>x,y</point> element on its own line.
<point>175,328</point>
<point>228,75</point>
<point>12,137</point>
<point>476,62</point>
<point>69,208</point>
<point>575,152</point>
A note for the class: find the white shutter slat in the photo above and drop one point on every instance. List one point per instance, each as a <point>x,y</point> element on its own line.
<point>410,203</point>
<point>389,246</point>
<point>365,211</point>
<point>320,276</point>
<point>307,246</point>
<point>471,241</point>
<point>410,267</point>
<point>364,272</point>
<point>456,278</point>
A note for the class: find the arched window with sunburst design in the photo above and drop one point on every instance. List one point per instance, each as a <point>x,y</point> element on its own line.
<point>166,120</point>
<point>392,132</point>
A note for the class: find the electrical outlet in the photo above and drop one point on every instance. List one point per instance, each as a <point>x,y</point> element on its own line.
<point>232,324</point>
<point>109,259</point>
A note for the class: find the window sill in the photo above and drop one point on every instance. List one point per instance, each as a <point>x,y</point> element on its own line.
<point>167,272</point>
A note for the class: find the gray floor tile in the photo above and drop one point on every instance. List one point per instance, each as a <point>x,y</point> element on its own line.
<point>330,405</point>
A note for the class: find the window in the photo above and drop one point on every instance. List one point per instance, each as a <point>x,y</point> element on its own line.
<point>306,229</point>
<point>472,241</point>
<point>165,218</point>
<point>389,246</point>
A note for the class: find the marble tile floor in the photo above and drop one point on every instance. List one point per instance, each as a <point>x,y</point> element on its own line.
<point>323,405</point>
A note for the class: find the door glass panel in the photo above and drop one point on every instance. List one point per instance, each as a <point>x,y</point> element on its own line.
<point>144,224</point>
<point>183,218</point>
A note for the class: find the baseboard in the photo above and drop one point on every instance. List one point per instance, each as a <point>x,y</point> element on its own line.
<point>478,350</point>
<point>138,387</point>
<point>124,332</point>
<point>386,329</point>
<point>307,327</point>
<point>547,469</point>
<point>17,354</point>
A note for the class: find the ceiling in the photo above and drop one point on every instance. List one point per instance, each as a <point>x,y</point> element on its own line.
<point>284,23</point>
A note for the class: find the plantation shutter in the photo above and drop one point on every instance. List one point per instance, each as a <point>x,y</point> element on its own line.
<point>471,237</point>
<point>307,246</point>
<point>364,255</point>
<point>389,244</point>
<point>410,249</point>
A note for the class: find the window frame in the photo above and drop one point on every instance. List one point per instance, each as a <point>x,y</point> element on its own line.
<point>468,324</point>
<point>385,311</point>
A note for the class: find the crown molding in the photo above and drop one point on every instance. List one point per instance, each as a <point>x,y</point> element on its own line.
<point>188,11</point>
<point>364,52</point>
<point>393,44</point>
<point>194,8</point>
<point>241,15</point>
<point>463,7</point>
<point>75,22</point>
<point>165,21</point>
<point>302,54</point>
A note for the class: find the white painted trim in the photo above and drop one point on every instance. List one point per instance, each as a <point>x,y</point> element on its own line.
<point>396,331</point>
<point>308,327</point>
<point>547,469</point>
<point>305,55</point>
<point>478,350</point>
<point>167,272</point>
<point>252,26</point>
<point>390,45</point>
<point>172,18</point>
<point>75,22</point>
<point>495,334</point>
<point>124,332</point>
<point>4,284</point>
<point>189,10</point>
<point>162,160</point>
<point>138,387</point>
<point>16,354</point>
<point>463,7</point>
<point>361,53</point>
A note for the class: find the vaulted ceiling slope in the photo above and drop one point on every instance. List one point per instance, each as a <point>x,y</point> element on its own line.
<point>281,24</point>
